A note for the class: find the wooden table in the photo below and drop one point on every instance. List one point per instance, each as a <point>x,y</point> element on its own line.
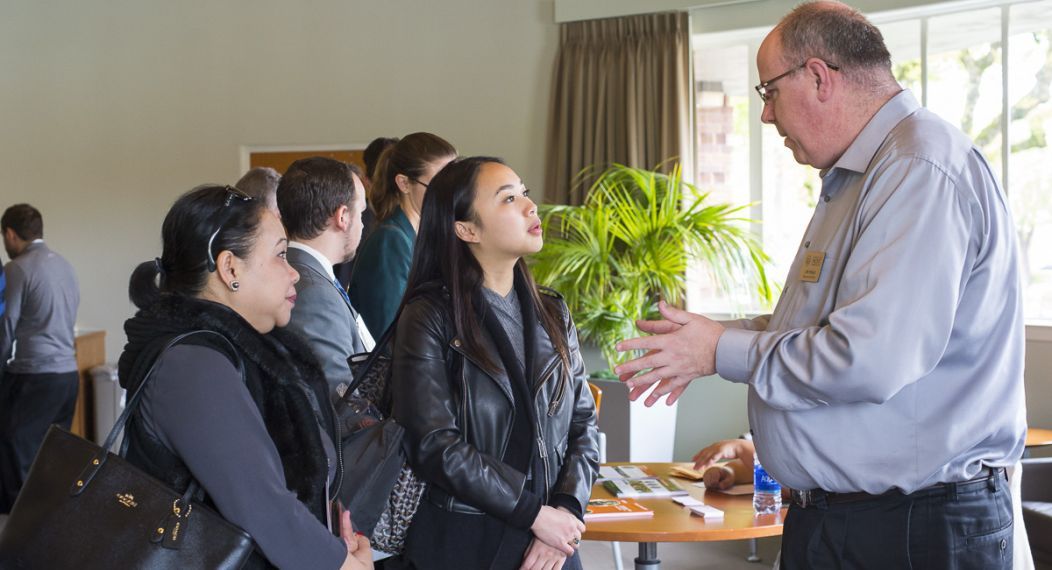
<point>675,523</point>
<point>91,352</point>
<point>1037,437</point>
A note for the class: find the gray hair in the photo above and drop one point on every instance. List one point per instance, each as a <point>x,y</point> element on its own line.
<point>261,183</point>
<point>840,35</point>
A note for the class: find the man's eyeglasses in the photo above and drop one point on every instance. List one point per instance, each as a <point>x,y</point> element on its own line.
<point>231,194</point>
<point>761,89</point>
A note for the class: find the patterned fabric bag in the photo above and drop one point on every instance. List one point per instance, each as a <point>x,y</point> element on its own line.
<point>378,487</point>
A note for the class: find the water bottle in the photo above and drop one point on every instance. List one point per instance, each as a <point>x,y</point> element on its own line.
<point>767,493</point>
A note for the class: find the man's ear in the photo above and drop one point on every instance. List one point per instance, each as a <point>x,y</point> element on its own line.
<point>341,218</point>
<point>466,231</point>
<point>822,77</point>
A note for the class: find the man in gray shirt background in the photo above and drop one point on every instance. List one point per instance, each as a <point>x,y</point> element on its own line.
<point>887,386</point>
<point>37,360</point>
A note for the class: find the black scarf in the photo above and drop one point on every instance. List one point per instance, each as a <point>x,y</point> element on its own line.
<point>282,375</point>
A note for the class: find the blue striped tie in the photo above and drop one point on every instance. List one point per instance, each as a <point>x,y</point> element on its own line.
<point>346,297</point>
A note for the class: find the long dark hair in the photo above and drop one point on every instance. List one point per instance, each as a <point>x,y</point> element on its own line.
<point>410,157</point>
<point>183,267</point>
<point>443,257</point>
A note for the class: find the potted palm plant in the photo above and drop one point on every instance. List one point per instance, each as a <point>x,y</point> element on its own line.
<point>626,247</point>
<point>629,245</point>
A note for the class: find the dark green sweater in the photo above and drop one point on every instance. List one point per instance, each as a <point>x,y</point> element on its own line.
<point>381,270</point>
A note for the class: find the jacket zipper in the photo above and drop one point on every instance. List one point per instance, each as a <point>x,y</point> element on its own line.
<point>554,404</point>
<point>544,461</point>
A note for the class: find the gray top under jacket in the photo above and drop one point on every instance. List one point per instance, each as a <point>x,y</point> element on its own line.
<point>509,313</point>
<point>198,407</point>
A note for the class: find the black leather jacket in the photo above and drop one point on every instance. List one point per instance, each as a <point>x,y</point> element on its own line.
<point>458,417</point>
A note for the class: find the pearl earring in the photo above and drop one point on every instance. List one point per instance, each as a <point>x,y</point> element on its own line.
<point>234,286</point>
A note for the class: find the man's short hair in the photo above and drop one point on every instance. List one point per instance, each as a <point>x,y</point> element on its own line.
<point>25,220</point>
<point>259,182</point>
<point>310,191</point>
<point>838,34</point>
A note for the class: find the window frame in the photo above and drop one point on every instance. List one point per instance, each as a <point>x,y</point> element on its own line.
<point>1036,329</point>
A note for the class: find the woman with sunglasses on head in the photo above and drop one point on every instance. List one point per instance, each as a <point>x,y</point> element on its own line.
<point>258,441</point>
<point>489,384</point>
<point>381,266</point>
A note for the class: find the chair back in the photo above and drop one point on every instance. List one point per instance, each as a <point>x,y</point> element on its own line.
<point>597,395</point>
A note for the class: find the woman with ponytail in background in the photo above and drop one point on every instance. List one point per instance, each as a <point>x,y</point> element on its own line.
<point>260,443</point>
<point>381,266</point>
<point>488,381</point>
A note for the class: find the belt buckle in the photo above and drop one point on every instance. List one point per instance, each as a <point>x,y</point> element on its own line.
<point>803,498</point>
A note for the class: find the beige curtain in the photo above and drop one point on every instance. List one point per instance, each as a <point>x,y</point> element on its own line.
<point>620,93</point>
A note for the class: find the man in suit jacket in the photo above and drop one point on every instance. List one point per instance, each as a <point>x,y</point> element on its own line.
<point>37,359</point>
<point>321,202</point>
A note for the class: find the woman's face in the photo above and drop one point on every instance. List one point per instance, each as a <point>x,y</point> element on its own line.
<point>415,188</point>
<point>507,226</point>
<point>266,291</point>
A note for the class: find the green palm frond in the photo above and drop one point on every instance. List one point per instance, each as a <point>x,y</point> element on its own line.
<point>630,244</point>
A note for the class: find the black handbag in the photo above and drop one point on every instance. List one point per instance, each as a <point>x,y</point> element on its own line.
<point>379,488</point>
<point>86,508</point>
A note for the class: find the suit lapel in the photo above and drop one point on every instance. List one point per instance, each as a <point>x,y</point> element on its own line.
<point>303,261</point>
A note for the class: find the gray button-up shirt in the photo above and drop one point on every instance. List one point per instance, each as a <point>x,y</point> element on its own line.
<point>42,299</point>
<point>894,357</point>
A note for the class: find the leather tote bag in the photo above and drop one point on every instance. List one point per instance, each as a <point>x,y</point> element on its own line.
<point>84,507</point>
<point>379,488</point>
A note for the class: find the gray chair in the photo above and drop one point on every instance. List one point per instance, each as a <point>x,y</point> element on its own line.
<point>1037,507</point>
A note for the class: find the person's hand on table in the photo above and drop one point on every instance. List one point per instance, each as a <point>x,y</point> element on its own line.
<point>724,476</point>
<point>359,554</point>
<point>682,347</point>
<point>540,556</point>
<point>558,528</point>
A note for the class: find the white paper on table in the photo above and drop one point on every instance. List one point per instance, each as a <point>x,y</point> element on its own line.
<point>706,511</point>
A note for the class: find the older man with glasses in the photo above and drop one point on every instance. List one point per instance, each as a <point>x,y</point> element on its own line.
<point>887,386</point>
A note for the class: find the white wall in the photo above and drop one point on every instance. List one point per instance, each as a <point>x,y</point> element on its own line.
<point>111,109</point>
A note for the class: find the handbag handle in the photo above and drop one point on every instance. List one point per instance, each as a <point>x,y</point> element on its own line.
<point>99,460</point>
<point>371,361</point>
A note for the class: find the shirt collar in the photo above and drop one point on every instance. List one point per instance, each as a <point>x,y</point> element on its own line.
<point>317,255</point>
<point>858,156</point>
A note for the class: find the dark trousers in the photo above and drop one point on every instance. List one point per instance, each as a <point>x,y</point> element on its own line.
<point>29,404</point>
<point>955,526</point>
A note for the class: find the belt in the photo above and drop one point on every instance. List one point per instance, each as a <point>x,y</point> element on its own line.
<point>812,497</point>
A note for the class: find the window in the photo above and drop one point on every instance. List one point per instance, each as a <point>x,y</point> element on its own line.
<point>952,55</point>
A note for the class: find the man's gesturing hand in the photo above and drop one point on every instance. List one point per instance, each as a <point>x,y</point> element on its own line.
<point>682,347</point>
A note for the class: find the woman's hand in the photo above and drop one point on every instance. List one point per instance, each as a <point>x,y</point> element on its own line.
<point>727,449</point>
<point>718,477</point>
<point>558,529</point>
<point>540,556</point>
<point>359,554</point>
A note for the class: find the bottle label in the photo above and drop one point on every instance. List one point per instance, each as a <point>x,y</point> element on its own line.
<point>763,482</point>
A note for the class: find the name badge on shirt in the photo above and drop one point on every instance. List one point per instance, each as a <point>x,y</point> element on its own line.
<point>811,270</point>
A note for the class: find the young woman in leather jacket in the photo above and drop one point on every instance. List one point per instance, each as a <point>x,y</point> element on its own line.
<point>489,384</point>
